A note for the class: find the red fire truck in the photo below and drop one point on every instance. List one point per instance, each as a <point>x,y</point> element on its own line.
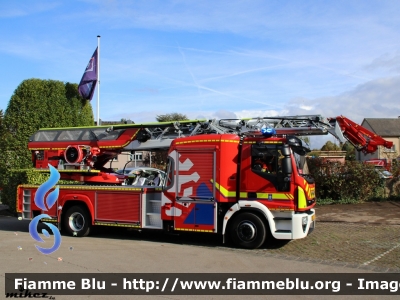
<point>244,178</point>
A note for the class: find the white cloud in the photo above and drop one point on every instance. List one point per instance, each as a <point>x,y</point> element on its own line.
<point>225,114</point>
<point>386,61</point>
<point>13,9</point>
<point>377,98</point>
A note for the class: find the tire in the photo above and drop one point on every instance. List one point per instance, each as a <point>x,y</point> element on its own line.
<point>248,231</point>
<point>76,221</point>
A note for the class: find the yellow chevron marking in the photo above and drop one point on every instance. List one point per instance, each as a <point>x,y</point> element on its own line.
<point>290,196</point>
<point>275,196</point>
<point>227,193</point>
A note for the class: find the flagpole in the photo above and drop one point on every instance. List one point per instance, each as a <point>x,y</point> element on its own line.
<point>98,80</point>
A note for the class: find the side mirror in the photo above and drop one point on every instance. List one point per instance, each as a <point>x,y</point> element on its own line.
<point>286,150</point>
<point>286,161</point>
<point>287,166</point>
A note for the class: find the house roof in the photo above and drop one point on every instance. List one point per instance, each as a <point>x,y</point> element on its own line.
<point>385,126</point>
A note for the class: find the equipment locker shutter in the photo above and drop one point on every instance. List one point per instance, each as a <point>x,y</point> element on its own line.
<point>196,175</point>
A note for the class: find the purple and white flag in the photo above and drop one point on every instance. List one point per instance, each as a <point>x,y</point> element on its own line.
<point>89,79</point>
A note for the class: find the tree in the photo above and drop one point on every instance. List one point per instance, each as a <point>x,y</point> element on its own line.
<point>38,104</point>
<point>80,109</point>
<point>329,146</point>
<point>125,121</point>
<point>350,151</point>
<point>159,158</point>
<point>2,131</point>
<point>4,138</point>
<point>35,104</point>
<point>171,117</point>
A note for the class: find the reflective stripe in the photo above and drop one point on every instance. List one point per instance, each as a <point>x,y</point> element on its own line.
<point>281,209</point>
<point>49,220</point>
<point>206,141</point>
<point>271,196</point>
<point>117,225</point>
<point>290,196</point>
<point>302,201</point>
<point>274,196</point>
<point>227,193</point>
<point>224,191</point>
<point>197,230</point>
<point>264,142</point>
<point>68,171</point>
<point>90,188</point>
<point>310,191</point>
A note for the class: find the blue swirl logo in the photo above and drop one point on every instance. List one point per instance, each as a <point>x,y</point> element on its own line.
<point>40,202</point>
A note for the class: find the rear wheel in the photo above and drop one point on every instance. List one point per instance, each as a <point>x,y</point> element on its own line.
<point>76,221</point>
<point>247,230</point>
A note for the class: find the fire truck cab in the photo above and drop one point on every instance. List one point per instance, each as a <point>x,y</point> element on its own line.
<point>218,184</point>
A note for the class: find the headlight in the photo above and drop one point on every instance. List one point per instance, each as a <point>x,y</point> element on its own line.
<point>304,223</point>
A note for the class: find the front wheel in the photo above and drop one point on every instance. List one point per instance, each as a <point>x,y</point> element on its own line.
<point>76,221</point>
<point>247,230</point>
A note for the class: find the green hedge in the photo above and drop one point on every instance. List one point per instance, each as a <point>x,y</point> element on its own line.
<point>350,182</point>
<point>25,176</point>
<point>35,104</point>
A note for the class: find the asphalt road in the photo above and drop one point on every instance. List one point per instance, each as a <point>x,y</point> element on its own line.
<point>122,251</point>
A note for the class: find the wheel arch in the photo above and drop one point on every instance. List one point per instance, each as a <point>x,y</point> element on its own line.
<point>249,206</point>
<point>81,200</point>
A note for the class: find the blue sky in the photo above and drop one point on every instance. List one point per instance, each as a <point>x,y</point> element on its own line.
<point>211,59</point>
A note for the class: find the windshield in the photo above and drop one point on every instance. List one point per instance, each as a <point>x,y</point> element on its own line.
<point>302,167</point>
<point>301,164</point>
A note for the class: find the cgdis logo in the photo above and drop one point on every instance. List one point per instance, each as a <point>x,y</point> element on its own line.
<point>50,200</point>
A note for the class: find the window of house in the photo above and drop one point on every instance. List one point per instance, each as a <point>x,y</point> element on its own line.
<point>137,156</point>
<point>393,149</point>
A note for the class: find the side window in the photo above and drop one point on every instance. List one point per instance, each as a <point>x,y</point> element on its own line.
<point>266,161</point>
<point>169,171</point>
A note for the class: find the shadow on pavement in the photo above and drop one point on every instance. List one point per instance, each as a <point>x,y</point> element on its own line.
<point>195,239</point>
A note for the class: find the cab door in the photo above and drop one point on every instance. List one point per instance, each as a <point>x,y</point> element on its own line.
<point>195,206</point>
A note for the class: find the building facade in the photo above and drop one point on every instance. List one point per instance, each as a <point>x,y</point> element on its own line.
<point>387,128</point>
